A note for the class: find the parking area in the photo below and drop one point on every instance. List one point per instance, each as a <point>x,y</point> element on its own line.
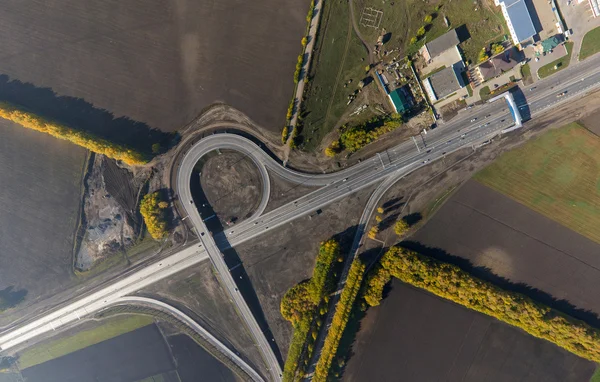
<point>556,53</point>
<point>579,19</point>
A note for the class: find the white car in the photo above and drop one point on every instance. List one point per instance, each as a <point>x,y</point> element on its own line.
<point>474,119</point>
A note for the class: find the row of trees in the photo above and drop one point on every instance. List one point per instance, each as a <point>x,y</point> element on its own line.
<point>452,283</point>
<point>300,306</point>
<point>340,320</point>
<point>91,142</point>
<point>495,48</point>
<point>424,28</point>
<point>356,137</point>
<point>153,210</point>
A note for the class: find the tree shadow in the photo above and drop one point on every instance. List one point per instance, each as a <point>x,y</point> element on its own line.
<point>485,273</point>
<point>390,203</point>
<point>83,116</point>
<point>412,219</point>
<point>388,221</point>
<point>9,297</point>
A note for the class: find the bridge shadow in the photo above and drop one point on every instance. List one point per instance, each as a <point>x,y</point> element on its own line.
<point>83,116</point>
<point>521,102</point>
<point>232,260</point>
<point>485,273</point>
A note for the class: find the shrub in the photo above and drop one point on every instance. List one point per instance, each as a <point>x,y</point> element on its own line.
<point>89,141</point>
<point>497,48</point>
<point>450,282</point>
<point>373,232</point>
<point>483,55</point>
<point>333,149</point>
<point>153,209</point>
<point>340,319</point>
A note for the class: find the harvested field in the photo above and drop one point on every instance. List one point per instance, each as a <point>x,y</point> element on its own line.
<point>506,241</point>
<point>41,189</point>
<point>556,175</point>
<point>198,292</point>
<point>128,357</point>
<point>283,257</point>
<point>416,336</point>
<point>160,64</point>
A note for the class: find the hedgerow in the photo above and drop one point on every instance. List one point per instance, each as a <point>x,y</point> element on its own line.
<point>452,283</point>
<point>89,141</point>
<point>153,209</point>
<point>300,306</point>
<point>340,319</point>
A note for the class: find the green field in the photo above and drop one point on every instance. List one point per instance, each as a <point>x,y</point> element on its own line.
<point>339,57</point>
<point>57,348</point>
<point>557,175</point>
<point>561,63</point>
<point>402,19</point>
<point>590,44</point>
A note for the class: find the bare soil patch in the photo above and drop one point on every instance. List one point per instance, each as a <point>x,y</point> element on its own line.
<point>283,191</point>
<point>501,237</point>
<point>416,336</point>
<point>281,258</point>
<point>232,185</point>
<point>160,64</point>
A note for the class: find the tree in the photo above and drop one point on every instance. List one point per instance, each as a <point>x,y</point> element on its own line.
<point>497,48</point>
<point>154,215</point>
<point>413,40</point>
<point>284,134</point>
<point>304,41</point>
<point>421,32</point>
<point>380,210</point>
<point>428,19</point>
<point>156,148</point>
<point>378,219</point>
<point>483,55</point>
<point>401,227</point>
<point>163,205</point>
<point>373,232</point>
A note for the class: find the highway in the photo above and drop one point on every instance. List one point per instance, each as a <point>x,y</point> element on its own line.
<point>468,129</point>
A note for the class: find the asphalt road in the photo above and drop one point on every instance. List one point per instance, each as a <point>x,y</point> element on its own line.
<point>469,128</point>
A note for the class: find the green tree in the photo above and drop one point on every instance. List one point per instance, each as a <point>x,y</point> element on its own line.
<point>421,32</point>
<point>428,19</point>
<point>413,40</point>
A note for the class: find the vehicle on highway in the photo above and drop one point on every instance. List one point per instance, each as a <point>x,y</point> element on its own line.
<point>489,115</point>
<point>474,119</point>
<point>532,89</point>
<point>487,124</point>
<point>561,94</point>
<point>345,179</point>
<point>464,135</point>
<point>191,202</point>
<point>425,161</point>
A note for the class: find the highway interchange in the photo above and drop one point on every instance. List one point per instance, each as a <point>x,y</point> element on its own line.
<point>470,128</point>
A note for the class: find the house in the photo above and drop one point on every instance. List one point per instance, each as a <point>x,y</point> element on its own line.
<point>499,64</point>
<point>445,42</point>
<point>445,82</point>
<point>518,20</point>
<point>400,99</point>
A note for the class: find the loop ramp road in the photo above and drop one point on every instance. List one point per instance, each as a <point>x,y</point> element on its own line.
<point>469,128</point>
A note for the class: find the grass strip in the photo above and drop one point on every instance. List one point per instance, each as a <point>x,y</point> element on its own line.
<point>452,283</point>
<point>89,141</point>
<point>590,44</point>
<point>340,320</point>
<point>57,348</point>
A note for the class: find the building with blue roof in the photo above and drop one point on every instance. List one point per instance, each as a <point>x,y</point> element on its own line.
<point>518,19</point>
